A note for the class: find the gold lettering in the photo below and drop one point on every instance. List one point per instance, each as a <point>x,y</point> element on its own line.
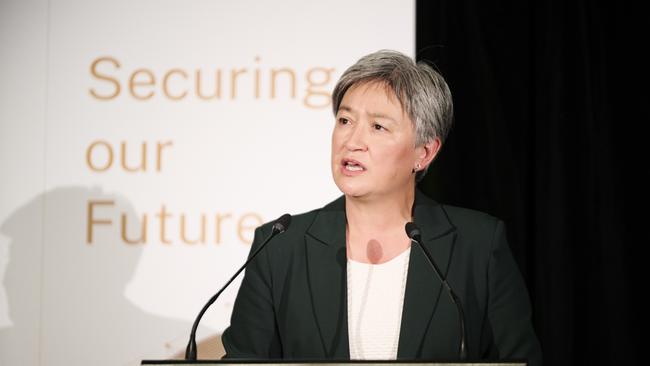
<point>89,156</point>
<point>176,83</point>
<point>160,146</point>
<point>166,86</point>
<point>217,86</point>
<point>257,79</point>
<point>233,81</point>
<point>91,221</point>
<point>325,96</point>
<point>275,73</point>
<point>134,229</point>
<point>163,215</point>
<point>143,231</point>
<point>242,227</point>
<point>202,231</point>
<point>143,159</point>
<point>218,220</point>
<point>149,81</point>
<point>115,82</point>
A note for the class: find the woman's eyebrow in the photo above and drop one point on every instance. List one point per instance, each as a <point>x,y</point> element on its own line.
<point>382,116</point>
<point>346,108</point>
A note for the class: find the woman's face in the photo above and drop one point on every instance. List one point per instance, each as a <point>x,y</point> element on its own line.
<point>373,144</point>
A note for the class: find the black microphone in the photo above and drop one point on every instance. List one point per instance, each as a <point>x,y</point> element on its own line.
<point>413,232</point>
<point>280,226</point>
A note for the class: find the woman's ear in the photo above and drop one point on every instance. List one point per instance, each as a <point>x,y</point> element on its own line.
<point>427,152</point>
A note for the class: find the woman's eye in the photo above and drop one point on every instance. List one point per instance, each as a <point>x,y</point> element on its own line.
<point>378,127</point>
<point>343,121</point>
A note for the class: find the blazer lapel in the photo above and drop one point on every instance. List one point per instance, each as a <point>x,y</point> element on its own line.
<point>327,278</point>
<point>423,288</point>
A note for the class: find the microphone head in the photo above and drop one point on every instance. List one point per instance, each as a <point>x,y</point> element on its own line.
<point>413,231</point>
<point>282,224</point>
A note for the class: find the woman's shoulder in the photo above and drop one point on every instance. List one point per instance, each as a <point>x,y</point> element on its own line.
<point>302,223</point>
<point>461,219</point>
<point>473,231</point>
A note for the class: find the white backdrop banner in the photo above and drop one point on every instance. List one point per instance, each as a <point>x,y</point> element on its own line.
<point>142,142</point>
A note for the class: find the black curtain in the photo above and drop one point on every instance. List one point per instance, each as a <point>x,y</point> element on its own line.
<point>547,136</point>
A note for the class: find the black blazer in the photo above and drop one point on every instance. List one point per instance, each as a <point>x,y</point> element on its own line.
<point>292,303</point>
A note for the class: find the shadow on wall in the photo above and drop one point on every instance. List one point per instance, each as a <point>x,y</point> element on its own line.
<point>65,297</point>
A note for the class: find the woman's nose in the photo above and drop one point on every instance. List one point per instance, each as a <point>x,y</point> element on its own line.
<point>356,139</point>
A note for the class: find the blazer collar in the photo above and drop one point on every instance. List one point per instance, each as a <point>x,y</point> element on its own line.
<point>327,276</point>
<point>329,225</point>
<point>423,288</point>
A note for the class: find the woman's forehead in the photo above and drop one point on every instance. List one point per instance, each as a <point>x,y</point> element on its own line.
<point>377,99</point>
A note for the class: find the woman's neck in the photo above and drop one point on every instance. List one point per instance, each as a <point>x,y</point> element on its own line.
<point>375,228</point>
<point>366,214</point>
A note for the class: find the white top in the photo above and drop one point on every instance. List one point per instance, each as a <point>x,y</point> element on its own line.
<point>375,301</point>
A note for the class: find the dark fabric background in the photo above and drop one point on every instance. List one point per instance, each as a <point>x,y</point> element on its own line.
<point>548,136</point>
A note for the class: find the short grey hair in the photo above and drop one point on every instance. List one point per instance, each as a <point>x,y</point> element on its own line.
<point>421,90</point>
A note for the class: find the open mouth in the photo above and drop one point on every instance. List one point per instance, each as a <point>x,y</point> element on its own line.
<point>352,165</point>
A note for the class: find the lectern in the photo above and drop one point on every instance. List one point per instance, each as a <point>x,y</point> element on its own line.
<point>329,363</point>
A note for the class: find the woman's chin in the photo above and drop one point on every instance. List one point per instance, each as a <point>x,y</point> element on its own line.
<point>350,190</point>
<point>354,192</point>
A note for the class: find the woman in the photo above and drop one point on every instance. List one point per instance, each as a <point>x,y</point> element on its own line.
<point>343,283</point>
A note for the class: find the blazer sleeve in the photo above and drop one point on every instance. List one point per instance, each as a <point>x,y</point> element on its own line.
<point>252,333</point>
<point>509,311</point>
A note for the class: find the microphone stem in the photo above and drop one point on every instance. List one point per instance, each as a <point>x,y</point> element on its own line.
<point>462,350</point>
<point>191,351</point>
